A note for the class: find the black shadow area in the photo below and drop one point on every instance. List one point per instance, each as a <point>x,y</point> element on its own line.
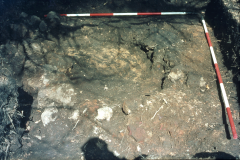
<point>25,103</point>
<point>214,155</point>
<point>97,149</point>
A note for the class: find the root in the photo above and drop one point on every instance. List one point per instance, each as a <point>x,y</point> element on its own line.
<point>157,112</point>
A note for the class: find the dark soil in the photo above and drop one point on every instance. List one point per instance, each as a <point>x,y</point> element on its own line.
<point>116,87</point>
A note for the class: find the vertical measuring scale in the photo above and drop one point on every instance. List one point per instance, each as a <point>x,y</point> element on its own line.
<point>224,95</point>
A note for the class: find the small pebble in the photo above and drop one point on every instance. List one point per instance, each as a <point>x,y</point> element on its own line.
<point>125,108</point>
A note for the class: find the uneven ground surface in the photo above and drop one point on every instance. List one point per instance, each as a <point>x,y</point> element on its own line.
<point>117,88</point>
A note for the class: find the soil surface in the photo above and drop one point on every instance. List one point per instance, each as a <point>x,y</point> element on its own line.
<point>114,87</point>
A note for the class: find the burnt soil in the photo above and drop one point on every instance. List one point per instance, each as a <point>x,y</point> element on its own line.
<point>153,75</point>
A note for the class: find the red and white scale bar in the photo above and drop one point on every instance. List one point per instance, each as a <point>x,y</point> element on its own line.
<point>125,14</point>
<point>224,95</point>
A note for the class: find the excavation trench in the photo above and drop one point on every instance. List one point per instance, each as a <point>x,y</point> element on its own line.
<point>117,87</point>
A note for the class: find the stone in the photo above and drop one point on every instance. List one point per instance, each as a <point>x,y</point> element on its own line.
<point>138,133</point>
<point>23,15</point>
<point>171,64</point>
<point>47,115</point>
<point>36,47</point>
<point>18,30</point>
<point>31,50</point>
<point>125,108</point>
<point>35,20</point>
<point>174,76</point>
<point>63,94</point>
<point>104,113</point>
<point>43,26</point>
<point>74,115</point>
<point>202,84</point>
<point>53,20</point>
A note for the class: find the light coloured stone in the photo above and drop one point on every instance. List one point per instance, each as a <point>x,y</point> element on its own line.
<point>61,94</point>
<point>104,113</point>
<point>75,115</point>
<point>202,82</point>
<point>174,76</point>
<point>47,115</point>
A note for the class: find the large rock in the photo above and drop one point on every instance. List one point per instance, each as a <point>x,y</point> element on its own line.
<point>53,20</point>
<point>12,58</point>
